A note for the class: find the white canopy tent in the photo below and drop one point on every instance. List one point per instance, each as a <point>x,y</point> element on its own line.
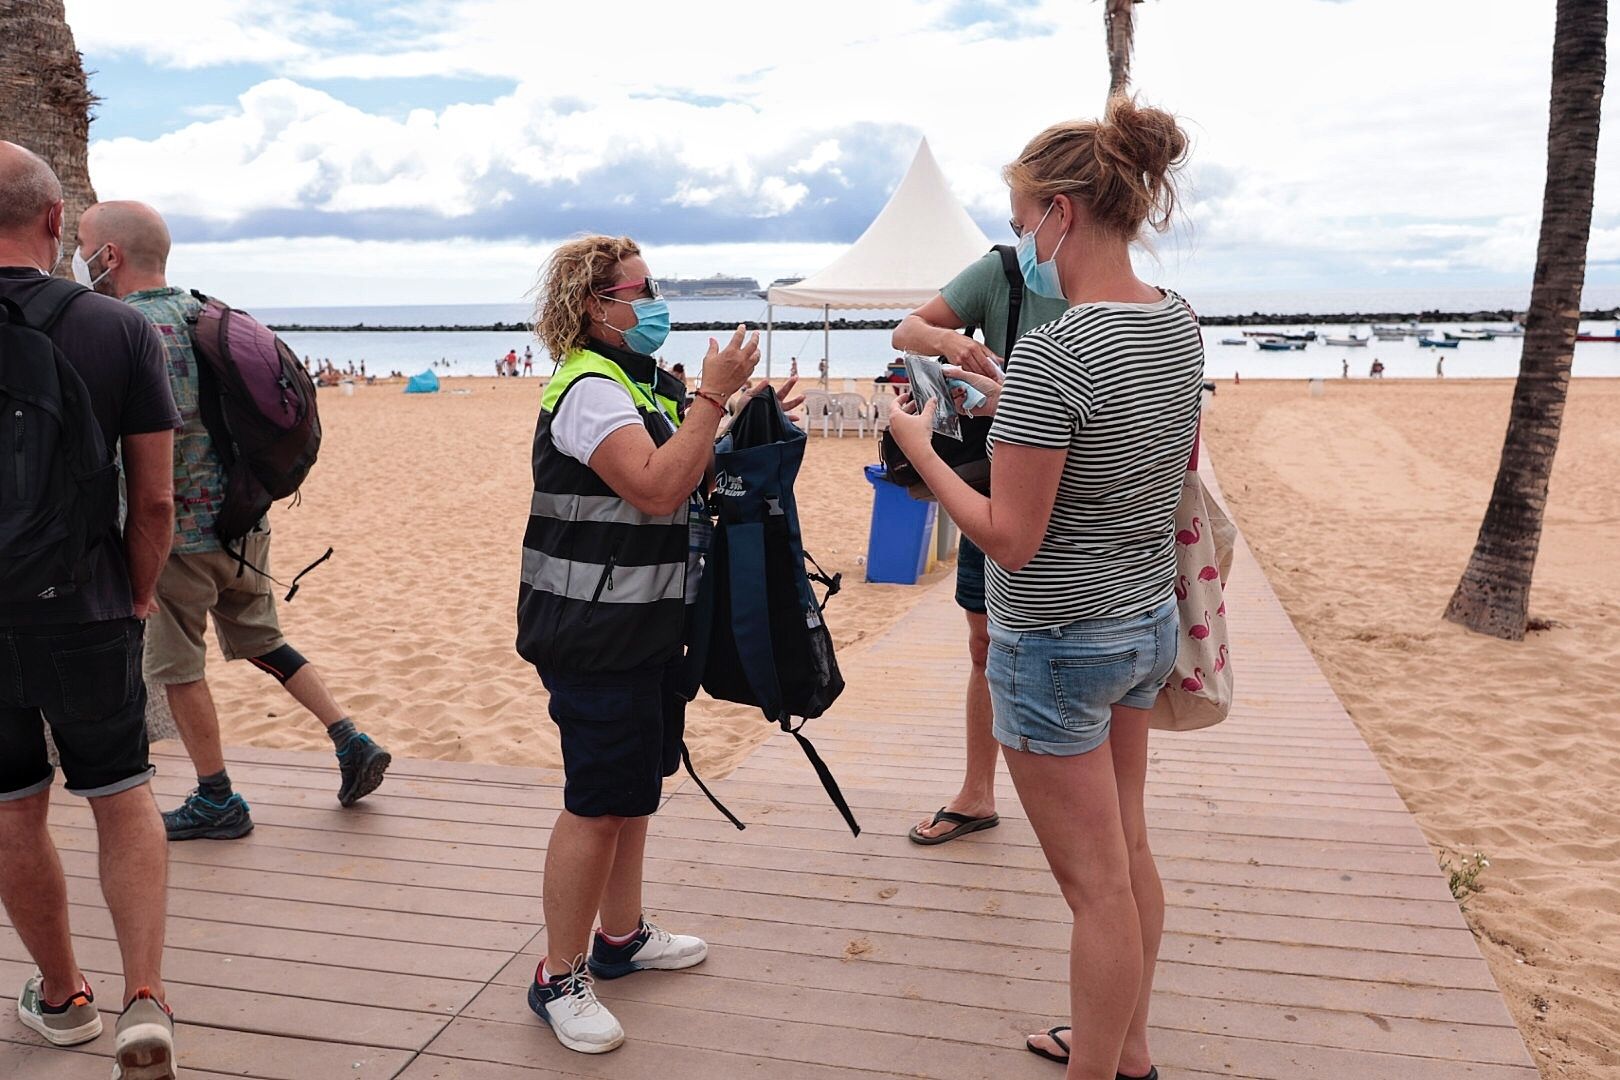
<point>919,241</point>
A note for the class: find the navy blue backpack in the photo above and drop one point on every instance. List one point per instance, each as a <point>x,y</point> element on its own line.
<point>758,636</point>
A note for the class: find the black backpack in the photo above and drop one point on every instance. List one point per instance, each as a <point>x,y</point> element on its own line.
<point>59,481</point>
<point>758,636</point>
<point>970,458</point>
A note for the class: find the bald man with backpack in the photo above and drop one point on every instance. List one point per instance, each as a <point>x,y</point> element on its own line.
<point>249,435</point>
<point>83,396</point>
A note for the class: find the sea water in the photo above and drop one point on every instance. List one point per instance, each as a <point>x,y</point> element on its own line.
<point>863,354</point>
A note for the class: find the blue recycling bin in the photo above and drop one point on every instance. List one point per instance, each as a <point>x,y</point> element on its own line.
<point>902,527</point>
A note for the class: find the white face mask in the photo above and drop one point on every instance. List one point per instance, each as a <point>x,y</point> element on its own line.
<point>81,268</point>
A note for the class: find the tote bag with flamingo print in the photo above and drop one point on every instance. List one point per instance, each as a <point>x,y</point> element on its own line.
<point>1199,691</point>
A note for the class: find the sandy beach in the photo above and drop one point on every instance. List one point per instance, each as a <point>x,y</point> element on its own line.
<point>424,499</point>
<point>1363,506</point>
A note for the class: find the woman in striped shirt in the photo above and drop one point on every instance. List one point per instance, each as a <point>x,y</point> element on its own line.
<point>1094,424</point>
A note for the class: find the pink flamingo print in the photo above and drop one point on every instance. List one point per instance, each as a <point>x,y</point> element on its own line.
<point>1201,631</point>
<point>1221,611</point>
<point>1190,536</point>
<point>1194,682</point>
<point>1208,573</point>
<point>1220,659</point>
<point>1181,586</point>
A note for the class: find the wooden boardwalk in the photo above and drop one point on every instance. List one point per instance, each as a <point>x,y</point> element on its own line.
<point>1309,933</point>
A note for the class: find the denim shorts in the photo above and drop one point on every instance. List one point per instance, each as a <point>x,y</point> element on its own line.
<point>85,682</point>
<point>1053,690</point>
<point>969,576</point>
<point>621,735</point>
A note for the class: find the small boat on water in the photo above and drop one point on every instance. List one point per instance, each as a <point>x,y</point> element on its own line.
<point>1495,332</point>
<point>1234,341</point>
<point>1309,335</point>
<point>1351,342</point>
<point>1431,343</point>
<point>1469,335</point>
<point>1406,330</point>
<point>1279,346</point>
<point>1614,337</point>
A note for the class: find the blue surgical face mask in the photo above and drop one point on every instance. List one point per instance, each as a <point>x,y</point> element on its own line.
<point>651,328</point>
<point>1041,277</point>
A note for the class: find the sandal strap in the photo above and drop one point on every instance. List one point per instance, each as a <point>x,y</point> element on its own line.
<point>1052,1033</point>
<point>953,817</point>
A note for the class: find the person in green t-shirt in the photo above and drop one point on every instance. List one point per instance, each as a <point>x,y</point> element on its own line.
<point>978,296</point>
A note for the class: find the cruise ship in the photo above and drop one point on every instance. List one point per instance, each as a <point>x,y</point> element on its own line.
<point>720,285</point>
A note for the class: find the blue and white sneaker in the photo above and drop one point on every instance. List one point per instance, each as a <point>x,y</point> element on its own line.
<point>652,949</point>
<point>569,1007</point>
<point>200,818</point>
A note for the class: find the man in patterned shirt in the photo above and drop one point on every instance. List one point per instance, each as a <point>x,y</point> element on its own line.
<point>126,245</point>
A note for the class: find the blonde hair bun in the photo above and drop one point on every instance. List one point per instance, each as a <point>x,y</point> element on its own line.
<point>1122,167</point>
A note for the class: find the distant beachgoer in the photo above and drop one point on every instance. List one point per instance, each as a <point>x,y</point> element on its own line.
<point>1440,367</point>
<point>528,360</point>
<point>823,372</point>
<point>1346,373</point>
<point>618,462</point>
<point>978,296</point>
<point>1096,420</point>
<point>201,581</point>
<point>362,369</point>
<point>679,371</point>
<point>70,658</point>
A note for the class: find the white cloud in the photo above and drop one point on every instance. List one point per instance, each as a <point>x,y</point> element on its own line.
<point>1350,137</point>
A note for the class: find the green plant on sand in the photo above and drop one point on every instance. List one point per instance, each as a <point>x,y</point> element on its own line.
<point>1465,875</point>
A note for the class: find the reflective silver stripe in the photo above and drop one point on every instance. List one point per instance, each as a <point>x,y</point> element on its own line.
<point>608,509</point>
<point>580,580</point>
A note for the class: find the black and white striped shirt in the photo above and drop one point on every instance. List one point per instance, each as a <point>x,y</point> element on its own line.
<point>1116,385</point>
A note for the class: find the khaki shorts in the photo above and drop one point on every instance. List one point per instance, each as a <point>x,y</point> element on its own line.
<point>192,587</point>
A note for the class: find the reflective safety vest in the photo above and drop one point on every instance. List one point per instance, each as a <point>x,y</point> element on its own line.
<point>604,585</point>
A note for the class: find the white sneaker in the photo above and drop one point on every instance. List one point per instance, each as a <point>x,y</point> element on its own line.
<point>144,1047</point>
<point>569,1006</point>
<point>652,949</point>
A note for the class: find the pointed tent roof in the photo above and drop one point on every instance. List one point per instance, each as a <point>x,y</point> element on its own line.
<point>919,241</point>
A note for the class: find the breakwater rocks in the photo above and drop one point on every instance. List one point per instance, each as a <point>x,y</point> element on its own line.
<point>1253,319</point>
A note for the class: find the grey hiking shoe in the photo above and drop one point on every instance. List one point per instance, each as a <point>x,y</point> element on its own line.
<point>68,1024</point>
<point>200,818</point>
<point>362,764</point>
<point>144,1048</point>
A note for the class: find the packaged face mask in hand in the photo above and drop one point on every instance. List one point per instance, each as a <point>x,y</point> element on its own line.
<point>928,383</point>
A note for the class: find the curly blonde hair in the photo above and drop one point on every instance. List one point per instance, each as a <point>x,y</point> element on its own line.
<point>578,269</point>
<point>1121,167</point>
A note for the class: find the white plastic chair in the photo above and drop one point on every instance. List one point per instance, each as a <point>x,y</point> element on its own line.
<point>819,405</point>
<point>882,405</point>
<point>854,408</point>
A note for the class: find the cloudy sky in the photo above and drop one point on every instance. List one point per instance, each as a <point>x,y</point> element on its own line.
<point>431,150</point>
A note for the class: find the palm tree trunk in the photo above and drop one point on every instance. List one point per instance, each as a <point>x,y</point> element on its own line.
<point>1493,596</point>
<point>1120,24</point>
<point>45,101</point>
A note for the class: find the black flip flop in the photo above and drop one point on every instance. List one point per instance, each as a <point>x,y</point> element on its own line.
<point>963,823</point>
<point>1052,1033</point>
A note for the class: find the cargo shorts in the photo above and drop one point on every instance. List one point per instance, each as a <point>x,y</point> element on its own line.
<point>194,586</point>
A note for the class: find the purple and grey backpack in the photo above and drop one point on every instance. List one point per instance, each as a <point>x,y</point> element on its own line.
<point>258,404</point>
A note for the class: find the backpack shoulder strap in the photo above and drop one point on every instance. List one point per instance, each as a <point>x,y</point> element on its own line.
<point>1015,290</point>
<point>44,309</point>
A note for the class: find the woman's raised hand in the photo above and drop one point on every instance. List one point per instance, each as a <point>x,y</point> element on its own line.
<point>725,371</point>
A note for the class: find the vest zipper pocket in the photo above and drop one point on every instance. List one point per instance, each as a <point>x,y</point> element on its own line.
<point>19,453</point>
<point>606,582</point>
